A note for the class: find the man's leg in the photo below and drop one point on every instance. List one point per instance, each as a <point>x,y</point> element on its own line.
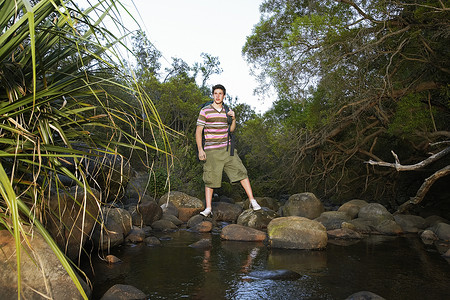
<point>248,189</point>
<point>208,198</point>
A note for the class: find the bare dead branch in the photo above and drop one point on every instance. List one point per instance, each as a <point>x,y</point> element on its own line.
<point>424,188</point>
<point>419,165</point>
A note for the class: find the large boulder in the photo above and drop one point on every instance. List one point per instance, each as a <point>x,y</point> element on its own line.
<point>164,225</point>
<point>227,212</point>
<point>388,227</point>
<point>303,205</point>
<point>256,219</point>
<point>344,234</point>
<point>442,231</point>
<point>410,223</point>
<point>187,205</point>
<point>235,232</point>
<point>364,226</point>
<point>116,223</point>
<point>170,208</point>
<point>106,171</point>
<point>333,219</point>
<point>268,202</point>
<point>296,233</point>
<point>352,207</point>
<point>70,217</point>
<point>375,212</point>
<point>136,188</point>
<point>124,292</point>
<point>146,212</point>
<point>42,274</point>
<point>432,220</point>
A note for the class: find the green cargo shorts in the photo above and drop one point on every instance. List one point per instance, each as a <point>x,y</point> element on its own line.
<point>219,160</point>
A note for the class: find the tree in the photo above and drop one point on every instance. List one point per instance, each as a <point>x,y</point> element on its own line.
<point>210,66</point>
<point>361,77</point>
<point>146,54</point>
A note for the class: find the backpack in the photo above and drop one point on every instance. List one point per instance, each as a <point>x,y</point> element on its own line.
<point>230,136</point>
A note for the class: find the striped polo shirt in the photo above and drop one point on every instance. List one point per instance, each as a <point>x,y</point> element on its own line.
<point>215,127</point>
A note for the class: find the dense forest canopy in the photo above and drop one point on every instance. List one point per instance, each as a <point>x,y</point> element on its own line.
<point>355,80</point>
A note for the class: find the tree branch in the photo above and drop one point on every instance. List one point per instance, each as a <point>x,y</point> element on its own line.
<point>419,165</point>
<point>424,188</point>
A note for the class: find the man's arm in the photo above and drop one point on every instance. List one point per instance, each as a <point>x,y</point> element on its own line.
<point>233,123</point>
<point>198,140</point>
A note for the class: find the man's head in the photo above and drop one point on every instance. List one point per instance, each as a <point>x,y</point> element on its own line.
<point>219,86</point>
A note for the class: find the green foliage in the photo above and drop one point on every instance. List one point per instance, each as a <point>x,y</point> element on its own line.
<point>350,76</point>
<point>412,115</point>
<point>65,102</point>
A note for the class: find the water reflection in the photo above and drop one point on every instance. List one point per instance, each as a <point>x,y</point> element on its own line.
<point>392,267</point>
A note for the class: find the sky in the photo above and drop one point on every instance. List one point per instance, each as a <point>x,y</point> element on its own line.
<point>186,28</point>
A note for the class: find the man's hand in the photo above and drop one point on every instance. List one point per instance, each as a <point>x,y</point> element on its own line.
<point>202,155</point>
<point>231,114</point>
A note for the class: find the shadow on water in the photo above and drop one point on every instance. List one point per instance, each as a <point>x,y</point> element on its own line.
<point>392,267</point>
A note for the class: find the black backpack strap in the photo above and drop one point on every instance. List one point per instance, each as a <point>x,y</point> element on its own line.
<point>230,135</point>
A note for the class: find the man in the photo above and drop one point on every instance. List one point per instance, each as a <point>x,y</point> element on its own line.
<point>213,119</point>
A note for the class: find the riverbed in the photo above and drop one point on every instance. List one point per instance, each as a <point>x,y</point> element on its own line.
<point>394,267</point>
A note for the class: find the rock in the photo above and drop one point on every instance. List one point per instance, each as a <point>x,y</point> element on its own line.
<point>71,211</point>
<point>303,205</point>
<point>296,233</point>
<point>146,212</point>
<point>410,223</point>
<point>123,292</point>
<point>152,241</point>
<point>432,220</point>
<point>235,232</point>
<point>428,235</point>
<point>170,208</point>
<point>172,219</point>
<point>42,274</point>
<point>111,172</point>
<point>116,225</point>
<point>203,226</point>
<point>333,219</point>
<point>442,230</point>
<point>226,199</point>
<point>194,220</point>
<point>202,244</point>
<point>164,225</point>
<point>227,212</point>
<point>375,212</point>
<point>389,227</point>
<point>447,253</point>
<point>187,205</point>
<point>256,219</point>
<point>275,274</point>
<point>352,207</point>
<point>111,259</point>
<point>136,188</point>
<point>136,235</point>
<point>364,295</point>
<point>268,202</point>
<point>344,233</point>
<point>361,225</point>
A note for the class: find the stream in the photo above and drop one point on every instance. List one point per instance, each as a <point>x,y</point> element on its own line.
<point>393,267</point>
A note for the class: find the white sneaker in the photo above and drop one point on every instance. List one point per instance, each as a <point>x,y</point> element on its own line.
<point>206,212</point>
<point>255,204</point>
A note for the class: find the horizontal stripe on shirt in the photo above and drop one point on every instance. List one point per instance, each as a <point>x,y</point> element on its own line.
<point>215,127</point>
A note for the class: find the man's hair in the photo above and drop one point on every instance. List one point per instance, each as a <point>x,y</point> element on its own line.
<point>219,86</point>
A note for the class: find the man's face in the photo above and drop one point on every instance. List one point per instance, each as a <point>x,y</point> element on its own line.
<point>218,96</point>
